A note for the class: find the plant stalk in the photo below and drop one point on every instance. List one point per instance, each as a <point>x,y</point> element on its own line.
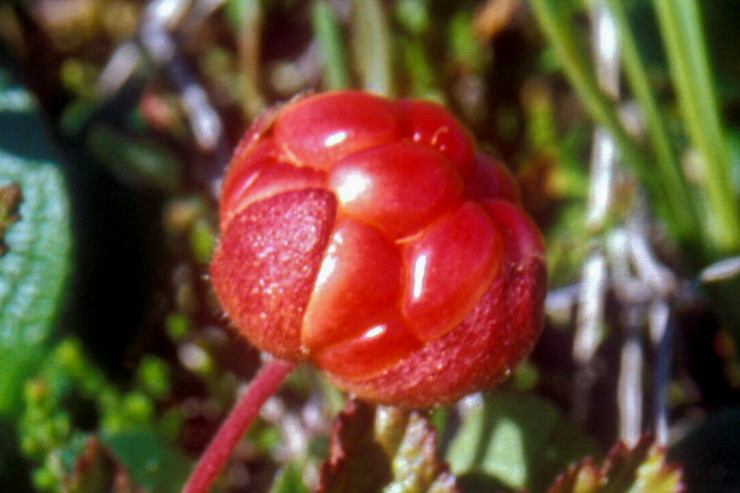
<point>267,382</point>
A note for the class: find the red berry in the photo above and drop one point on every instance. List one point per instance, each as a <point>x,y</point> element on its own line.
<point>370,237</point>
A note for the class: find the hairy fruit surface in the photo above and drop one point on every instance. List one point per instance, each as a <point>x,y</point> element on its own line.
<point>372,238</point>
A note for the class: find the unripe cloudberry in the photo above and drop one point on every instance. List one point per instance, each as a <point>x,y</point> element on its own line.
<point>370,237</point>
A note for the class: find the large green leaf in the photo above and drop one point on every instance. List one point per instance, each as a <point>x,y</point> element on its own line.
<point>36,239</point>
<point>517,440</point>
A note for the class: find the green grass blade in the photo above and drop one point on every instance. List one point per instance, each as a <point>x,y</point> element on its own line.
<point>669,167</point>
<point>680,24</point>
<point>372,47</point>
<point>331,44</point>
<point>558,28</point>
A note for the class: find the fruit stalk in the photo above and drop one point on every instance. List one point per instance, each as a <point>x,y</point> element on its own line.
<point>269,379</point>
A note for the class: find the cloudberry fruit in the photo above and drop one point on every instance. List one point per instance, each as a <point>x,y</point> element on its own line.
<point>372,238</point>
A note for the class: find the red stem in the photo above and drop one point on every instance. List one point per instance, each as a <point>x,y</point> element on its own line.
<point>265,384</point>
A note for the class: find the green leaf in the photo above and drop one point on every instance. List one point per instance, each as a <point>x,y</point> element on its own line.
<point>626,470</point>
<point>35,267</point>
<point>415,466</point>
<point>516,439</point>
<point>384,449</point>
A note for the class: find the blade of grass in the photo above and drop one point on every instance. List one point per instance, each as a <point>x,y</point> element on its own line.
<point>372,47</point>
<point>558,28</point>
<point>413,39</point>
<point>681,29</point>
<point>668,164</point>
<point>331,44</point>
<point>246,19</point>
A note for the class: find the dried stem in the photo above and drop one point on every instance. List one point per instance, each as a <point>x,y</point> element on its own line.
<point>265,384</point>
<point>158,42</point>
<point>604,155</point>
<point>629,386</point>
<point>162,48</point>
<point>662,336</point>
